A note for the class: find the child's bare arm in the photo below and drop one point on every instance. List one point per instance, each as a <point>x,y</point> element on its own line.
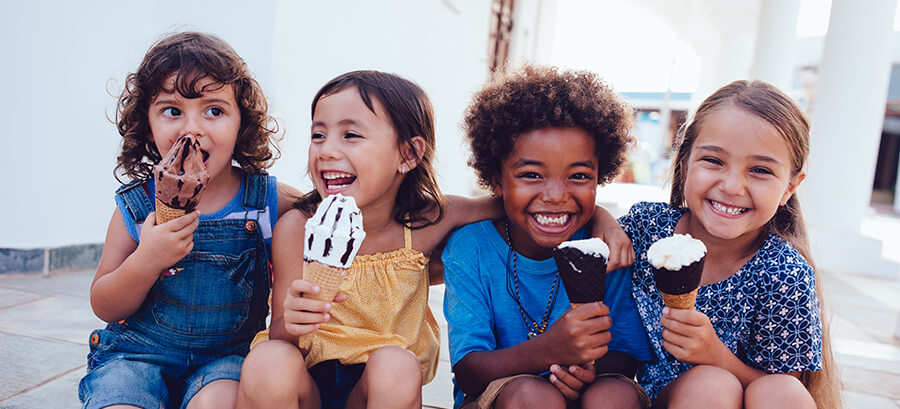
<point>606,227</point>
<point>128,270</point>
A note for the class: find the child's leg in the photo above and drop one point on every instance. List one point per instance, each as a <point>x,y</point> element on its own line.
<point>611,392</point>
<point>213,385</point>
<point>217,394</point>
<point>702,386</point>
<point>274,376</point>
<point>392,379</point>
<point>529,392</point>
<point>777,391</point>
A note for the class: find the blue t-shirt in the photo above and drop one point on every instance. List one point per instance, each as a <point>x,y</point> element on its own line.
<point>233,210</point>
<point>767,313</point>
<point>482,316</point>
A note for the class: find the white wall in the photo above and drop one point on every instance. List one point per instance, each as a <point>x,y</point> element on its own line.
<point>64,64</point>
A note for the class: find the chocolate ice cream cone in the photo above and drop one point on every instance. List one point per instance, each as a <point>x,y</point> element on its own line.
<point>329,279</point>
<point>582,268</point>
<point>165,213</point>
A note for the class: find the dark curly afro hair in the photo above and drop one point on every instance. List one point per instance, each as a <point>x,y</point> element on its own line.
<point>537,97</point>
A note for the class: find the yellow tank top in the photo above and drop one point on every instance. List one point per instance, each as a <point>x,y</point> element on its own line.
<point>387,306</point>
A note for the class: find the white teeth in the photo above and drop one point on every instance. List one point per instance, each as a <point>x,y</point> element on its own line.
<point>559,220</point>
<point>336,175</point>
<point>727,209</point>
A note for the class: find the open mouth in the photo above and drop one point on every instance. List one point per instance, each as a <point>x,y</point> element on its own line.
<point>337,180</point>
<point>726,209</point>
<point>205,156</point>
<point>552,222</point>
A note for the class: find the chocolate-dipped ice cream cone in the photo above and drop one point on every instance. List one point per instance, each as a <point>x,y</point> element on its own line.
<point>677,263</point>
<point>582,268</point>
<point>180,179</point>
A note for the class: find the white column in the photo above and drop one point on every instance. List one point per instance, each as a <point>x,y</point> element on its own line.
<point>848,115</point>
<point>776,39</point>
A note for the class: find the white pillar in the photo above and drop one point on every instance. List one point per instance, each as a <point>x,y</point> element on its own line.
<point>848,115</point>
<point>776,39</point>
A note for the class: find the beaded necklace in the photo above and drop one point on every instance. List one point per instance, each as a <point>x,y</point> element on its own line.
<point>534,329</point>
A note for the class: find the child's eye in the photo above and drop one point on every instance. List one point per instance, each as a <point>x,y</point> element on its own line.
<point>581,176</point>
<point>762,171</point>
<point>528,175</point>
<point>214,111</point>
<point>171,111</point>
<point>317,135</point>
<point>349,135</point>
<point>713,161</point>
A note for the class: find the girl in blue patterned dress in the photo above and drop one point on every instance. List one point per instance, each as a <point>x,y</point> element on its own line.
<point>756,338</point>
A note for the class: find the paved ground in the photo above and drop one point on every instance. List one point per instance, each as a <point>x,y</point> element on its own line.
<point>45,322</point>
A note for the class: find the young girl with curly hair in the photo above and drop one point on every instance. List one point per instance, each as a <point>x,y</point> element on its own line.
<point>178,340</point>
<point>757,338</point>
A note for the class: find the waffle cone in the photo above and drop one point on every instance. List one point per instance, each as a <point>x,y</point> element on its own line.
<point>682,301</point>
<point>329,279</point>
<point>165,213</point>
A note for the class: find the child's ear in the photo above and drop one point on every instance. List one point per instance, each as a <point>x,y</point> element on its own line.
<point>496,187</point>
<point>795,182</point>
<point>411,153</point>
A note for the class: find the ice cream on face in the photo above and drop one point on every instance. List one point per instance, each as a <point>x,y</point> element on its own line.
<point>582,268</point>
<point>181,175</point>
<point>335,232</point>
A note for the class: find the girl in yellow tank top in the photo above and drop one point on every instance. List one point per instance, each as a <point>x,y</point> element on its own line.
<point>377,343</point>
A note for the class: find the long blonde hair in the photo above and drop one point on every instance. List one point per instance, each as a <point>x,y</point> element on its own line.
<point>769,103</point>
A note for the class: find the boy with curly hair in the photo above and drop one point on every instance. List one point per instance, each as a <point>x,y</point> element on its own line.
<point>542,139</point>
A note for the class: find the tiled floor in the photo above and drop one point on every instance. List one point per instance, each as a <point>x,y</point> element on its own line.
<point>45,323</point>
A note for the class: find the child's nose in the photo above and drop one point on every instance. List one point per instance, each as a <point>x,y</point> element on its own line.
<point>555,191</point>
<point>328,149</point>
<point>192,125</point>
<point>734,182</point>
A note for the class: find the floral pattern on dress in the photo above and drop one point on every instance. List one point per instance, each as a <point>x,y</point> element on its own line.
<point>767,313</point>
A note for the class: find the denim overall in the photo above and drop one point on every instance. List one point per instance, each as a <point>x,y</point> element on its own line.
<point>194,326</point>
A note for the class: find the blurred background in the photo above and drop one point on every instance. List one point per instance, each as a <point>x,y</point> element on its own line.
<point>64,65</point>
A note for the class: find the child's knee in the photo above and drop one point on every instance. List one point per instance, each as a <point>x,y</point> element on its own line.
<point>611,392</point>
<point>395,365</point>
<point>273,366</point>
<point>778,390</point>
<point>529,393</point>
<point>706,386</point>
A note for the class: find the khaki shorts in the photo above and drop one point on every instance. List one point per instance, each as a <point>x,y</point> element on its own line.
<point>489,396</point>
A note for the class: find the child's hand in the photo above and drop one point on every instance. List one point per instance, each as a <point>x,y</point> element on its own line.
<point>571,380</point>
<point>580,335</point>
<point>164,245</point>
<point>304,315</point>
<point>607,228</point>
<point>690,338</point>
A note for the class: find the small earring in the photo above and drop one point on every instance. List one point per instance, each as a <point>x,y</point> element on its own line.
<point>402,169</point>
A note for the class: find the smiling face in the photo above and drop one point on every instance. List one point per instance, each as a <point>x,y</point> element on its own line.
<point>213,119</point>
<point>738,173</point>
<point>548,184</point>
<point>354,150</point>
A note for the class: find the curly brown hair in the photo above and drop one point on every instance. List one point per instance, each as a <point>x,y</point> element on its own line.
<point>538,97</point>
<point>191,57</point>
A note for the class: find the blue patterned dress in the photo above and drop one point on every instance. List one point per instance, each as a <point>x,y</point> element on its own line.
<point>767,313</point>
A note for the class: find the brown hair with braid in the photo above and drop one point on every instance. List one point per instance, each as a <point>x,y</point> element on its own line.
<point>779,110</point>
<point>191,57</point>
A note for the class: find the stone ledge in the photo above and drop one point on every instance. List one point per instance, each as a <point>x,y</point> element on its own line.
<point>50,260</point>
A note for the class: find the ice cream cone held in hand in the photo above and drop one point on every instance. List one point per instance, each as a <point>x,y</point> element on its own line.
<point>180,179</point>
<point>582,268</point>
<point>332,238</point>
<point>677,263</point>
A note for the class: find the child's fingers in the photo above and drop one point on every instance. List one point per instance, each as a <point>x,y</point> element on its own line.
<point>568,392</point>
<point>589,310</point>
<point>184,222</point>
<point>340,297</point>
<point>585,373</point>
<point>299,287</point>
<point>564,376</point>
<point>691,317</point>
<point>676,350</point>
<point>150,220</point>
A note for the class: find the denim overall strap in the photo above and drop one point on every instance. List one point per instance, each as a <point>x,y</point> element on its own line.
<point>138,200</point>
<point>255,191</point>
